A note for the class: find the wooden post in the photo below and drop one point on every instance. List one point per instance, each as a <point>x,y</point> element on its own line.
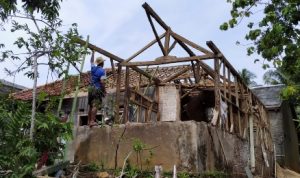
<point>113,69</point>
<point>217,89</point>
<point>157,100</point>
<point>126,96</point>
<point>252,151</point>
<point>237,103</point>
<point>118,83</point>
<point>167,41</point>
<point>230,105</point>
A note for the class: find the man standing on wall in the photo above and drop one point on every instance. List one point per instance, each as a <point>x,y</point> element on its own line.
<point>96,90</point>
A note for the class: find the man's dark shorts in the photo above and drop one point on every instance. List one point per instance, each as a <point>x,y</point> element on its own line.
<point>95,96</point>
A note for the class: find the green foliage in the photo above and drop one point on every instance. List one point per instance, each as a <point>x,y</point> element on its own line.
<point>275,37</point>
<point>183,175</point>
<point>248,77</point>
<point>274,77</point>
<point>215,174</point>
<point>18,154</point>
<point>139,147</point>
<point>48,8</point>
<point>46,39</point>
<point>59,48</point>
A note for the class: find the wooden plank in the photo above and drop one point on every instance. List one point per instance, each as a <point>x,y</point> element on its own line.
<point>156,35</point>
<point>230,105</point>
<point>151,12</point>
<point>194,72</point>
<point>237,103</point>
<point>225,95</point>
<point>144,48</point>
<point>169,60</point>
<point>176,74</point>
<point>167,41</point>
<point>216,50</point>
<point>217,89</point>
<point>143,96</point>
<point>190,43</point>
<point>172,46</point>
<point>113,69</point>
<point>157,99</point>
<point>116,58</point>
<point>145,105</point>
<point>149,112</point>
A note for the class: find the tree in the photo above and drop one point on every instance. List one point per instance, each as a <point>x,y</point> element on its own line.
<point>44,45</point>
<point>247,77</point>
<point>274,77</point>
<point>19,154</point>
<point>275,35</point>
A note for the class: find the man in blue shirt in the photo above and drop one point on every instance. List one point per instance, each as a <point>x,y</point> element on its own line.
<point>97,89</point>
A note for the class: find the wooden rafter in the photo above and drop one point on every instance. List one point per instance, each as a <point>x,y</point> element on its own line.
<point>144,48</point>
<point>169,60</point>
<point>116,58</point>
<point>176,74</point>
<point>156,35</point>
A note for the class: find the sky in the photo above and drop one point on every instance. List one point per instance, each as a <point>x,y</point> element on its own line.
<point>122,28</point>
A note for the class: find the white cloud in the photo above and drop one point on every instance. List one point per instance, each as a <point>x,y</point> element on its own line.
<point>122,27</point>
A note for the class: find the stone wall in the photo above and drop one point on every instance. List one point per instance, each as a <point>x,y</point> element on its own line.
<point>191,146</point>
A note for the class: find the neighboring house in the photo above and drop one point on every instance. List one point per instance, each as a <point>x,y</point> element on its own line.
<point>284,133</point>
<point>9,87</point>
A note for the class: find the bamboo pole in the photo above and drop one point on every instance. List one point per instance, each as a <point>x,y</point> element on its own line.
<point>63,89</point>
<point>78,83</point>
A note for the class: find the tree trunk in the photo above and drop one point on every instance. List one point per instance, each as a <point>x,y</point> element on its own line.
<point>35,72</point>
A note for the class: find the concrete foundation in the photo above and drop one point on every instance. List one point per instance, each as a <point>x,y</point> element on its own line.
<point>191,146</point>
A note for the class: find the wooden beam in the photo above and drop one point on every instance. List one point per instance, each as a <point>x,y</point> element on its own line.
<point>144,48</point>
<point>168,60</point>
<point>150,11</point>
<point>217,89</point>
<point>190,43</point>
<point>113,69</point>
<point>194,72</point>
<point>172,46</point>
<point>116,58</point>
<point>167,41</point>
<point>156,35</point>
<point>176,74</point>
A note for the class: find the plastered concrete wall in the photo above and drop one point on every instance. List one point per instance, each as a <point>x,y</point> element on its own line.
<point>169,103</point>
<point>191,146</point>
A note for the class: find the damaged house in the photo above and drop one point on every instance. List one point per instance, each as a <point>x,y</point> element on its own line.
<point>193,112</point>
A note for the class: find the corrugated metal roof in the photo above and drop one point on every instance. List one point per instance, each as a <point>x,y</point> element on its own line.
<point>269,95</point>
